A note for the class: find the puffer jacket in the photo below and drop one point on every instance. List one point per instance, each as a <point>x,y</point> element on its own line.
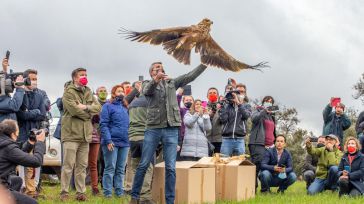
<point>195,141</point>
<point>234,120</point>
<point>114,124</point>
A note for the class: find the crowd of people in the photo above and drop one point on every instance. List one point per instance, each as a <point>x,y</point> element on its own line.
<point>117,139</point>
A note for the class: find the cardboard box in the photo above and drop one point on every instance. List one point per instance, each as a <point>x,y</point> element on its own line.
<point>193,184</point>
<point>235,181</point>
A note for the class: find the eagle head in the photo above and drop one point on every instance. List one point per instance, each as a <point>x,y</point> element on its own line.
<point>206,22</point>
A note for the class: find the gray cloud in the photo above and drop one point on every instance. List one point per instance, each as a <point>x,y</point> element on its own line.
<point>314,48</point>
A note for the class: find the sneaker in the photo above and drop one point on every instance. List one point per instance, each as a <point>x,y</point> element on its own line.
<point>134,201</point>
<point>64,196</point>
<point>81,197</point>
<point>95,192</point>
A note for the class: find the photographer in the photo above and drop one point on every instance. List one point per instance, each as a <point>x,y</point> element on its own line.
<point>263,132</point>
<point>31,115</point>
<point>11,155</point>
<point>10,105</point>
<point>233,116</point>
<point>214,135</point>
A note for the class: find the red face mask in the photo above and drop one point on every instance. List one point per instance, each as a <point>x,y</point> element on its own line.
<point>212,98</point>
<point>127,91</point>
<point>351,149</point>
<point>83,81</point>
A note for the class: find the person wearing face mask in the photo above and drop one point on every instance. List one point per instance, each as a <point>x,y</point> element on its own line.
<point>215,134</point>
<point>80,106</point>
<point>351,169</point>
<point>233,116</point>
<point>243,94</point>
<point>13,154</point>
<point>310,165</point>
<point>327,165</point>
<point>263,132</point>
<point>197,122</point>
<point>114,124</point>
<point>101,94</point>
<point>184,103</point>
<point>31,115</point>
<point>335,122</point>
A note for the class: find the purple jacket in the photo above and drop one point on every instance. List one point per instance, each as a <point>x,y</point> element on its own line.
<point>183,112</point>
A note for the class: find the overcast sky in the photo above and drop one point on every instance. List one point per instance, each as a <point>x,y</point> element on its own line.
<point>315,48</point>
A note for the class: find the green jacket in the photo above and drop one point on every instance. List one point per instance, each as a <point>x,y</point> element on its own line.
<point>326,159</point>
<point>137,118</point>
<point>163,109</point>
<point>76,123</point>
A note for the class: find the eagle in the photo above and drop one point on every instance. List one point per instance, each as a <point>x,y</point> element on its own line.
<point>179,41</point>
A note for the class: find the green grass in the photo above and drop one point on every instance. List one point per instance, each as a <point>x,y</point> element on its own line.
<point>295,194</point>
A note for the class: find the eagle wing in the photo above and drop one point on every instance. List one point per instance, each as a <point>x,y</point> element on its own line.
<point>212,54</point>
<point>155,37</point>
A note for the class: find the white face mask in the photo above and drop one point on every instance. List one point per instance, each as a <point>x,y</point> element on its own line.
<point>267,104</point>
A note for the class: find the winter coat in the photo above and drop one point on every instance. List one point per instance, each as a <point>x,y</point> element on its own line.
<point>326,159</point>
<point>234,120</point>
<point>310,163</point>
<point>76,123</point>
<point>195,141</point>
<point>271,159</point>
<point>10,105</point>
<point>137,117</point>
<point>334,124</point>
<point>11,156</point>
<point>257,134</point>
<point>31,114</point>
<point>359,126</point>
<point>114,124</point>
<point>356,174</point>
<point>163,110</point>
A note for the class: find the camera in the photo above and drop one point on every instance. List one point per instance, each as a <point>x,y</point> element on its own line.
<point>273,108</point>
<point>313,139</point>
<point>229,97</point>
<point>34,132</point>
<point>7,81</point>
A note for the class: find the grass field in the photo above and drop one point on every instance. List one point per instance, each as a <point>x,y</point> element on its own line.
<point>295,194</point>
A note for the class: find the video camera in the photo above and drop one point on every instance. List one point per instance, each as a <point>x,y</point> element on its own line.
<point>7,80</point>
<point>34,132</point>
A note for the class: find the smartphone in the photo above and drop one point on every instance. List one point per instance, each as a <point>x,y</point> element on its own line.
<point>7,55</point>
<point>141,78</point>
<point>335,101</point>
<point>187,90</point>
<point>273,108</point>
<point>347,168</point>
<point>204,104</point>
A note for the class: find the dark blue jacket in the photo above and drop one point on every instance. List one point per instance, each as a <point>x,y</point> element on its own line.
<point>234,120</point>
<point>31,114</point>
<point>356,174</point>
<point>334,124</point>
<point>57,132</point>
<point>271,159</point>
<point>114,124</point>
<point>10,105</point>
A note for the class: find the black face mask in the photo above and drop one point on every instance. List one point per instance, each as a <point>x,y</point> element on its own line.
<point>319,145</point>
<point>188,105</point>
<point>120,98</point>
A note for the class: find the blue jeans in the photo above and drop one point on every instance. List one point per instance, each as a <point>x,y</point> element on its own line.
<point>230,146</point>
<point>114,171</point>
<point>319,185</point>
<point>267,180</point>
<point>169,138</point>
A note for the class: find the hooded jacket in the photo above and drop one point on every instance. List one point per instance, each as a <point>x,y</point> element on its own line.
<point>234,120</point>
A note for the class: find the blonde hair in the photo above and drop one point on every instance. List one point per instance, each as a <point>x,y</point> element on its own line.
<point>358,146</point>
<point>192,109</point>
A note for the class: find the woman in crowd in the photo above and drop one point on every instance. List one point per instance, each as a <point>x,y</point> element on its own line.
<point>262,133</point>
<point>351,169</point>
<point>114,124</point>
<point>197,122</point>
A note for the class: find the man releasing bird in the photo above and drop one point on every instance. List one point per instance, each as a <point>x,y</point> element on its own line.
<point>179,42</point>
